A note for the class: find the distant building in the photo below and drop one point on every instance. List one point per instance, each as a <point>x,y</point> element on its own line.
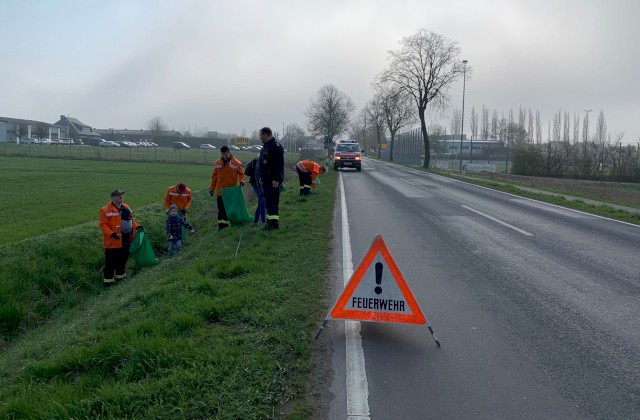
<point>73,128</point>
<point>476,149</point>
<point>12,130</point>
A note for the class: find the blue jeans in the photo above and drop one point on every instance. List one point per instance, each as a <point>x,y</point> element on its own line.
<point>174,246</point>
<point>261,210</point>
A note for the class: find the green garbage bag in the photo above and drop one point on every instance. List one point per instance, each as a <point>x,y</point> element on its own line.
<point>235,206</point>
<point>318,183</point>
<point>142,250</point>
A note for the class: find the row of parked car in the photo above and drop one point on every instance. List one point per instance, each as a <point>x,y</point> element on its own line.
<point>124,143</point>
<point>179,145</point>
<point>33,140</point>
<point>100,142</point>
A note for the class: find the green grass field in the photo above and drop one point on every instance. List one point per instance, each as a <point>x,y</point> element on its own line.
<point>222,330</point>
<point>50,194</point>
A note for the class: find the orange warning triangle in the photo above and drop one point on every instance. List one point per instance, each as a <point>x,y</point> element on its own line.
<point>378,292</point>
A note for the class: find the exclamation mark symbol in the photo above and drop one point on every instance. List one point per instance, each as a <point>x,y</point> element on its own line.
<point>379,267</point>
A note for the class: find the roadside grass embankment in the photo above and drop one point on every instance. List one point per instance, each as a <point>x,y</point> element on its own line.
<point>222,330</point>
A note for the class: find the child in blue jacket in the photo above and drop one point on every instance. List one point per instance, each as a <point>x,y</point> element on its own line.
<point>174,229</point>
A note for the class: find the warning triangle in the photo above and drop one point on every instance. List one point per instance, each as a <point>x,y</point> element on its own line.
<point>377,291</point>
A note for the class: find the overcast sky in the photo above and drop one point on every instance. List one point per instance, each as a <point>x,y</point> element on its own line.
<point>243,64</point>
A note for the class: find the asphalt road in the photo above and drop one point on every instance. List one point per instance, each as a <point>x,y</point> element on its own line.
<point>537,307</point>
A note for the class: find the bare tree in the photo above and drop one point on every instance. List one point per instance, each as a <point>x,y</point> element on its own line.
<point>438,130</point>
<point>42,131</point>
<point>397,111</point>
<point>530,128</point>
<point>522,117</point>
<point>538,129</point>
<point>566,128</point>
<point>474,124</point>
<point>295,137</point>
<point>375,117</point>
<point>486,128</point>
<point>455,122</point>
<point>157,126</point>
<point>358,128</point>
<point>585,128</point>
<point>474,131</point>
<point>329,114</point>
<point>601,129</point>
<point>495,125</point>
<point>557,127</point>
<point>21,131</point>
<point>576,128</point>
<point>425,66</point>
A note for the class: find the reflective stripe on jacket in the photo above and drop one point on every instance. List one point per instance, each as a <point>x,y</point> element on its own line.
<point>182,200</point>
<point>226,174</point>
<point>110,222</point>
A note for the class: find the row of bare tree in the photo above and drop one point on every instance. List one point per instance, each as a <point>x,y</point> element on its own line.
<point>528,127</point>
<point>417,78</point>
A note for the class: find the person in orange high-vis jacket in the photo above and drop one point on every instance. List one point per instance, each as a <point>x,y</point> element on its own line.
<point>227,172</point>
<point>179,195</point>
<point>118,228</point>
<point>308,172</point>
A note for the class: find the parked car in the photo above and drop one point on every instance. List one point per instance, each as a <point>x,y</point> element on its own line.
<point>46,141</point>
<point>208,146</point>
<point>78,142</point>
<point>29,140</point>
<point>235,148</point>
<point>95,141</point>
<point>108,143</point>
<point>180,145</point>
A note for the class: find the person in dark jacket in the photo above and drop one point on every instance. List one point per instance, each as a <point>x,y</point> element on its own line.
<point>174,229</point>
<point>271,175</point>
<point>250,170</point>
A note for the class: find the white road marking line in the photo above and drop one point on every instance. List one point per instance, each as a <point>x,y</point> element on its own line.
<point>447,179</point>
<point>404,180</point>
<point>357,385</point>
<point>524,232</point>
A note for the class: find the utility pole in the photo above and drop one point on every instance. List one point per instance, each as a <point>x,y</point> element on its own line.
<point>464,83</point>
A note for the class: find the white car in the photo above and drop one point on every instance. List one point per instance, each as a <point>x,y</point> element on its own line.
<point>45,141</point>
<point>29,140</point>
<point>208,147</point>
<point>109,143</point>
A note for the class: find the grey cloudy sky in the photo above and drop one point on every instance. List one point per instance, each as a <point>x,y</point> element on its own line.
<point>243,64</point>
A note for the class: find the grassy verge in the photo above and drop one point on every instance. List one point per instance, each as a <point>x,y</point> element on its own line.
<point>600,193</point>
<point>512,188</point>
<point>222,330</point>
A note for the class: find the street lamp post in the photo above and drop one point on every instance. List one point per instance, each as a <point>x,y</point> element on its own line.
<point>464,83</point>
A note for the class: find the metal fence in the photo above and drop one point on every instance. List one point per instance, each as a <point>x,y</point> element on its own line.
<point>408,148</point>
